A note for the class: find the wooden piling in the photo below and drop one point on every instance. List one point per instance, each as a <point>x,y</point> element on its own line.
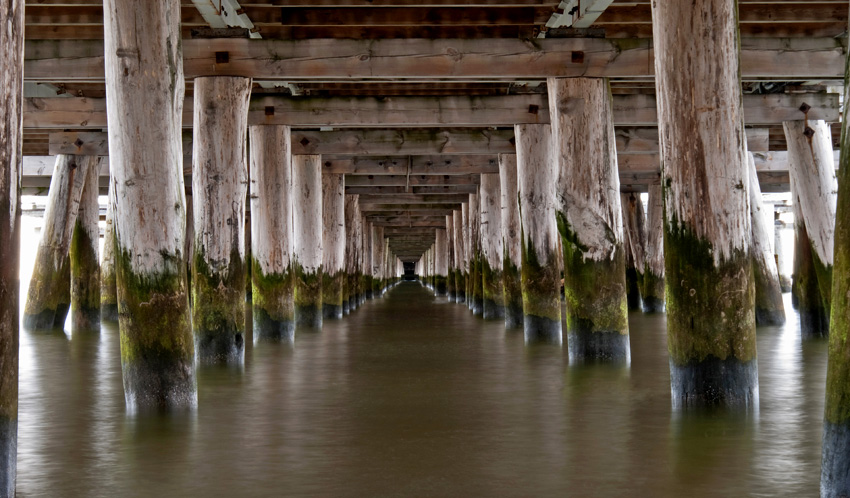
<point>652,290</point>
<point>333,245</point>
<point>11,104</point>
<point>108,290</point>
<point>219,184</point>
<point>710,293</point>
<point>590,218</point>
<point>491,248</point>
<point>511,241</point>
<point>144,87</point>
<point>769,309</point>
<point>451,290</point>
<point>272,240</point>
<point>458,242</point>
<point>49,295</point>
<point>476,304</point>
<point>85,264</point>
<point>805,291</point>
<point>307,205</point>
<point>440,262</point>
<point>634,245</point>
<point>541,284</point>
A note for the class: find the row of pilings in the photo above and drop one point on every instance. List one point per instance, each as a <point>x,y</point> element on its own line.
<point>567,195</point>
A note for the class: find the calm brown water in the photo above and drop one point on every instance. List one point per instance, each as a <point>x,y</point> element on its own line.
<point>413,396</point>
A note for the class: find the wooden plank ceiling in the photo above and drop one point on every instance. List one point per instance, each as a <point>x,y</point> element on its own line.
<point>422,205</point>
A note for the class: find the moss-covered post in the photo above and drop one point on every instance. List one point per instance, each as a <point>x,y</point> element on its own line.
<point>451,289</point>
<point>812,172</point>
<point>590,218</point>
<point>11,105</point>
<point>85,265</point>
<point>476,304</point>
<point>835,469</point>
<point>108,291</point>
<point>805,291</point>
<point>467,258</point>
<point>652,288</point>
<point>249,256</point>
<point>634,245</point>
<point>272,240</point>
<point>366,280</point>
<point>377,261</point>
<point>144,87</point>
<point>307,208</point>
<point>710,293</point>
<point>189,242</point>
<point>349,296</point>
<point>769,308</point>
<point>511,241</point>
<point>333,245</point>
<point>541,283</point>
<point>49,295</point>
<point>441,266</point>
<point>220,185</point>
<point>456,273</point>
<point>491,247</point>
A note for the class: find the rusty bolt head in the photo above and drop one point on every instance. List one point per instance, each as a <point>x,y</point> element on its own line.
<point>304,142</point>
<point>79,143</point>
<point>222,57</point>
<point>808,132</point>
<point>533,109</point>
<point>805,107</point>
<point>269,110</point>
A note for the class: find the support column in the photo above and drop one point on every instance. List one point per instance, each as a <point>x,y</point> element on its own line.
<point>272,241</point>
<point>467,257</point>
<point>11,96</point>
<point>835,470</point>
<point>769,308</point>
<point>349,297</point>
<point>491,247</point>
<point>307,203</point>
<point>590,218</point>
<point>805,292</point>
<point>108,291</point>
<point>812,171</point>
<point>440,262</point>
<point>144,88</point>
<point>451,290</point>
<point>541,284</point>
<point>49,296</point>
<point>710,319</point>
<point>219,186</point>
<point>367,260</point>
<point>333,244</point>
<point>634,244</point>
<point>85,264</point>
<point>460,256</point>
<point>476,304</point>
<point>652,290</point>
<point>377,258</point>
<point>511,241</point>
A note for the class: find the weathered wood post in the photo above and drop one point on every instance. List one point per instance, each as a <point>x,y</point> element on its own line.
<point>11,97</point>
<point>366,281</point>
<point>710,292</point>
<point>307,204</point>
<point>769,308</point>
<point>219,186</point>
<point>652,289</point>
<point>467,257</point>
<point>541,284</point>
<point>144,87</point>
<point>451,290</point>
<point>805,291</point>
<point>476,285</point>
<point>812,172</point>
<point>49,295</point>
<point>377,260</point>
<point>835,469</point>
<point>457,245</point>
<point>441,266</point>
<point>590,218</point>
<point>85,264</point>
<point>491,247</point>
<point>511,241</point>
<point>189,243</point>
<point>333,245</point>
<point>272,239</point>
<point>349,298</point>
<point>108,290</point>
<point>634,245</point>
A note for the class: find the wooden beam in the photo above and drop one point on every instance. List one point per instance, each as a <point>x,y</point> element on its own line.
<point>370,199</point>
<point>413,16</point>
<point>411,165</point>
<point>345,59</point>
<point>432,208</point>
<point>486,111</point>
<point>442,189</point>
<point>644,140</point>
<point>412,180</point>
